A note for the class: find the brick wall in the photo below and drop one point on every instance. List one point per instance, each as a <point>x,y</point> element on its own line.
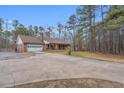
<point>20,48</point>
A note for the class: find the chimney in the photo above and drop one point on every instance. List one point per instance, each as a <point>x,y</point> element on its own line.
<point>42,36</point>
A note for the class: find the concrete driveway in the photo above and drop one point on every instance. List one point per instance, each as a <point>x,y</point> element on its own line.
<point>48,66</point>
<point>10,55</point>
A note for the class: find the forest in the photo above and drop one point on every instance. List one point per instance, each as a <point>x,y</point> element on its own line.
<point>94,28</point>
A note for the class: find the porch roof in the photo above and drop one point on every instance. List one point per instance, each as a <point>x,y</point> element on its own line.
<point>56,41</point>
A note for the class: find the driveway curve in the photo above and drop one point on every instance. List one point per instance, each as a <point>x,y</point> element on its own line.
<point>48,66</point>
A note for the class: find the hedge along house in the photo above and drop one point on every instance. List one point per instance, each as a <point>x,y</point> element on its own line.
<point>28,44</point>
<point>38,44</point>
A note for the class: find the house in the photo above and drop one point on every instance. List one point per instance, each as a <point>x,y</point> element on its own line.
<point>38,44</point>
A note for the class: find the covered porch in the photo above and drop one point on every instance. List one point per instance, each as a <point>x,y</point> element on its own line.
<point>54,46</point>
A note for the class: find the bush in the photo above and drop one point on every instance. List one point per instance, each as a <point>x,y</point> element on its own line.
<point>69,50</point>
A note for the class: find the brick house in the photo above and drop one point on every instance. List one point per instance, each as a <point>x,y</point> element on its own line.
<point>38,44</point>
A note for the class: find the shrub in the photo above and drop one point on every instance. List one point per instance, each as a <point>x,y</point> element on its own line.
<point>69,50</point>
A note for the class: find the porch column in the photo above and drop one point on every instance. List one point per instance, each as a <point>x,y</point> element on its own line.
<point>56,46</point>
<point>49,46</point>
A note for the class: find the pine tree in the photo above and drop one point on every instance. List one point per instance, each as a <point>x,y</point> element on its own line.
<point>72,25</point>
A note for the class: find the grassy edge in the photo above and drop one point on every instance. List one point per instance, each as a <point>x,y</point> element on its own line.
<point>82,56</point>
<point>101,59</point>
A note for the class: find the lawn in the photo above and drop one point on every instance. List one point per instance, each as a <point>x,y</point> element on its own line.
<point>98,56</point>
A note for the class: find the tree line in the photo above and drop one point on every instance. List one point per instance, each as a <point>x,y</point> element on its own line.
<point>8,36</point>
<point>98,29</point>
<point>94,28</point>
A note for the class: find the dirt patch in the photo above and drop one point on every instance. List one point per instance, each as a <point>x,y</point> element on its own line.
<point>73,83</point>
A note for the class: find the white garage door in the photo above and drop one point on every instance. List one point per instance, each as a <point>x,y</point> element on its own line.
<point>34,48</point>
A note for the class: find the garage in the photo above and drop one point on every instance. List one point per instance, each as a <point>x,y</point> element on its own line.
<point>34,48</point>
<point>29,44</point>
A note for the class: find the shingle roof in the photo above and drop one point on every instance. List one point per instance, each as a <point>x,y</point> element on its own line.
<point>37,40</point>
<point>30,39</point>
<point>56,41</point>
